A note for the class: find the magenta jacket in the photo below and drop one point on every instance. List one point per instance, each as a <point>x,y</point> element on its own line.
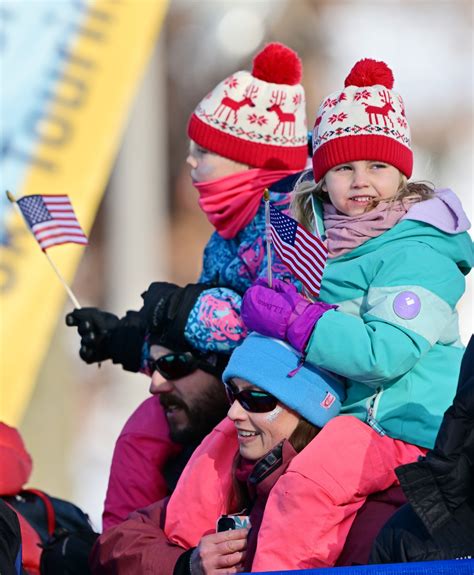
<point>136,475</point>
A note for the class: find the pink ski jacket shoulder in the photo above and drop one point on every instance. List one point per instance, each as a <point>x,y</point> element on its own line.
<point>141,452</point>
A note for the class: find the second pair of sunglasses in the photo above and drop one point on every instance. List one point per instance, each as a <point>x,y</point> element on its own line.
<point>252,400</point>
<point>174,365</point>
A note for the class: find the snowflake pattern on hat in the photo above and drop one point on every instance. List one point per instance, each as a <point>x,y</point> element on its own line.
<point>257,118</point>
<point>364,121</point>
<point>367,112</point>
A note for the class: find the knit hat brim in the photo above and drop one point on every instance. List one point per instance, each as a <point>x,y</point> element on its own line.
<point>354,148</point>
<point>257,118</point>
<point>266,363</point>
<point>253,154</point>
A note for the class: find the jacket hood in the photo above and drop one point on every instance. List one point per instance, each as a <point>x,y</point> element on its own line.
<point>444,212</point>
<point>441,223</point>
<point>15,461</point>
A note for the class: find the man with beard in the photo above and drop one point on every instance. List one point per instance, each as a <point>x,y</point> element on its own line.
<point>192,396</point>
<point>188,400</point>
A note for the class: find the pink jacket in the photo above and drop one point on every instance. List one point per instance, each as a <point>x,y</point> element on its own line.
<point>329,480</point>
<point>186,524</point>
<point>140,545</point>
<point>141,451</point>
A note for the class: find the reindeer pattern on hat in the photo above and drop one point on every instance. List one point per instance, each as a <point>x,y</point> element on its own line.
<point>358,111</point>
<point>364,121</point>
<point>257,118</point>
<point>246,107</point>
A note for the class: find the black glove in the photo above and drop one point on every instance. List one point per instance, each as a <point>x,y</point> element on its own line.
<point>155,300</point>
<point>105,336</point>
<point>166,308</point>
<point>94,327</point>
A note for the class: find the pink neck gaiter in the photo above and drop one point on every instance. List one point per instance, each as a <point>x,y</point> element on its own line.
<point>231,202</point>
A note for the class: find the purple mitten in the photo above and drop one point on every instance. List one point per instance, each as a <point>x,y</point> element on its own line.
<point>281,312</point>
<point>266,311</point>
<point>302,321</point>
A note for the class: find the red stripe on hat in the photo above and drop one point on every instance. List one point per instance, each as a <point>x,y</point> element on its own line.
<point>368,147</point>
<point>252,154</point>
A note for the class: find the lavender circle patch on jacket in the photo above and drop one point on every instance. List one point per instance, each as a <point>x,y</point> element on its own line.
<point>407,305</point>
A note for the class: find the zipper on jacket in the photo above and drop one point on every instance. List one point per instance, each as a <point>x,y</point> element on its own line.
<point>372,405</point>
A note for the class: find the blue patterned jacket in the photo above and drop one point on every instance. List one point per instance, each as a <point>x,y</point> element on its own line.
<point>231,267</point>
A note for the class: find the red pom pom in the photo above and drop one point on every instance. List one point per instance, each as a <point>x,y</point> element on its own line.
<point>277,64</point>
<point>368,72</point>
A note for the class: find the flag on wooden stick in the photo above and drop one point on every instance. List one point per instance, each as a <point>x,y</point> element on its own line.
<point>53,222</point>
<point>302,252</point>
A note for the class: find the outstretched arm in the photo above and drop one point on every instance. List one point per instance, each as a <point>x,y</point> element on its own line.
<point>137,545</point>
<point>105,336</point>
<point>408,307</point>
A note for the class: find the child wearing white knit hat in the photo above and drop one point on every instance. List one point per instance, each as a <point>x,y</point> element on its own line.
<point>253,125</point>
<point>248,134</point>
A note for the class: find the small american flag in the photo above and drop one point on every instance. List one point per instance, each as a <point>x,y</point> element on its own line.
<point>303,253</point>
<point>52,220</point>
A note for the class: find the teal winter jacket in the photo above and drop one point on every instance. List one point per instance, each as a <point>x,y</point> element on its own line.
<point>395,334</point>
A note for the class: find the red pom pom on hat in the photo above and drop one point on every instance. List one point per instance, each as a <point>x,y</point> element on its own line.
<point>278,64</point>
<point>368,72</point>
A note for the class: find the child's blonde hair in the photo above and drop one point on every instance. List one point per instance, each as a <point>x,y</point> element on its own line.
<point>301,204</point>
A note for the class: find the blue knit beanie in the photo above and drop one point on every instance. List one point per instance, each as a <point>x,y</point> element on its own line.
<point>266,363</point>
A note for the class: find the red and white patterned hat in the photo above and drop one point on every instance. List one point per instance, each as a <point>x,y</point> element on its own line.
<point>257,118</point>
<point>366,121</point>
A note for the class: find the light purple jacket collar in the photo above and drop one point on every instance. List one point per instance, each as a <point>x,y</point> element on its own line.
<point>444,212</point>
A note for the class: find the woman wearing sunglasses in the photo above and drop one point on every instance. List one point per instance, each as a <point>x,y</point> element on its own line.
<point>277,407</point>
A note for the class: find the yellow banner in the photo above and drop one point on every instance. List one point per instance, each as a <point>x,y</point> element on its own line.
<point>77,135</point>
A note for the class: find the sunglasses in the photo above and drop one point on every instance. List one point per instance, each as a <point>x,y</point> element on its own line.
<point>174,365</point>
<point>252,400</point>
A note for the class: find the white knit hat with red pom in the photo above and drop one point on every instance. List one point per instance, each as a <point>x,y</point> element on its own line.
<point>366,121</point>
<point>257,118</point>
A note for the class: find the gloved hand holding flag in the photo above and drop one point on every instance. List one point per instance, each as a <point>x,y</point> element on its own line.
<point>275,308</point>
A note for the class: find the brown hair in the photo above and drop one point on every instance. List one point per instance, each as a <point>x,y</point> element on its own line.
<point>302,210</point>
<point>303,434</point>
<point>239,499</point>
